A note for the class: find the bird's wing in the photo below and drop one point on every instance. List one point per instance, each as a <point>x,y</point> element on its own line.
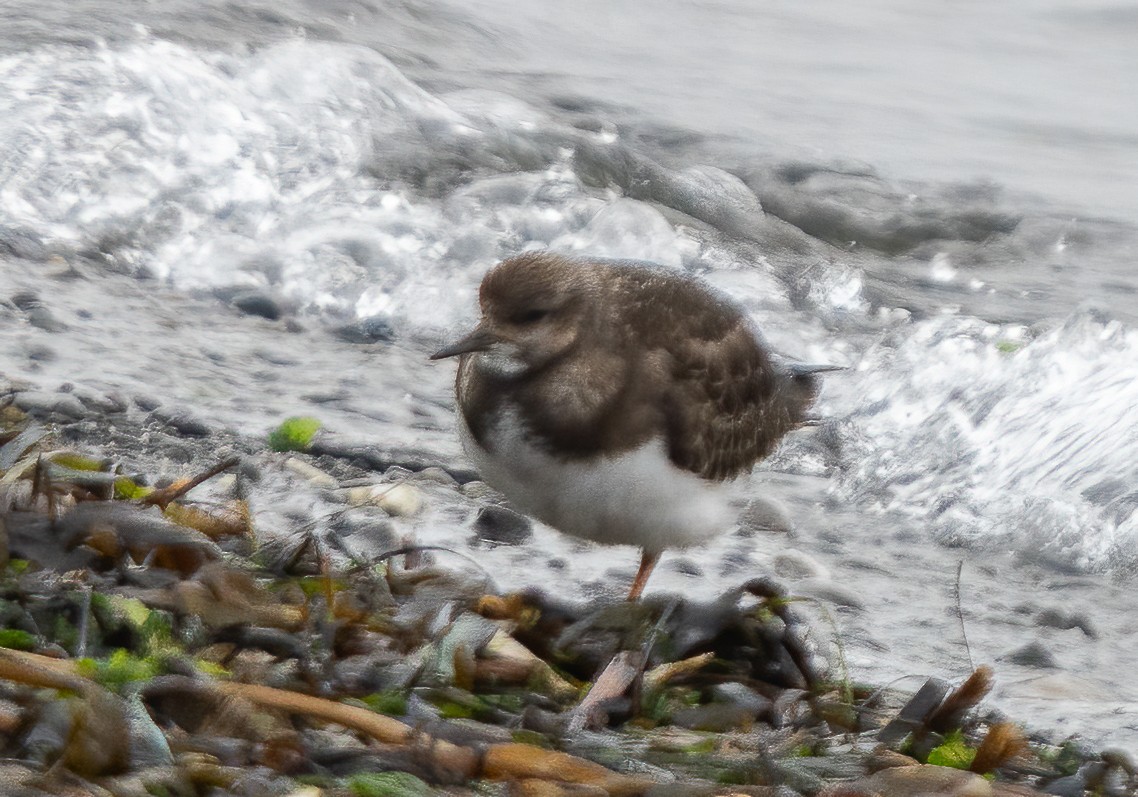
<point>723,405</point>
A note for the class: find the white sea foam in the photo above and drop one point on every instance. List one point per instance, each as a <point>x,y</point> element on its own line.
<point>1019,447</point>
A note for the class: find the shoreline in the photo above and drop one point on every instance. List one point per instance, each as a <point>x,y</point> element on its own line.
<point>704,709</point>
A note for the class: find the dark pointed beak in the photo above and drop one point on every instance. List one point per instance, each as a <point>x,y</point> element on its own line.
<point>480,339</point>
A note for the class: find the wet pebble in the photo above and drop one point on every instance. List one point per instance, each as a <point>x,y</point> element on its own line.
<point>792,564</point>
<point>257,303</point>
<point>502,526</point>
<point>146,403</point>
<point>40,404</point>
<point>100,402</point>
<point>39,352</point>
<point>715,717</point>
<point>925,779</point>
<point>480,491</point>
<point>400,500</point>
<point>1057,618</point>
<point>182,421</point>
<point>375,329</point>
<point>1033,654</point>
<point>436,475</point>
<point>686,567</point>
<point>43,318</point>
<point>22,243</point>
<point>830,592</point>
<point>767,515</point>
<point>738,694</point>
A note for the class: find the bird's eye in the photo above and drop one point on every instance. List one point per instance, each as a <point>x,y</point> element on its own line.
<point>530,316</point>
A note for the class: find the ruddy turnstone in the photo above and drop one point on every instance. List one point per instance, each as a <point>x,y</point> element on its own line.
<point>614,400</point>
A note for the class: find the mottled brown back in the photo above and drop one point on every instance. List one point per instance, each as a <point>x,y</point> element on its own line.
<point>659,355</point>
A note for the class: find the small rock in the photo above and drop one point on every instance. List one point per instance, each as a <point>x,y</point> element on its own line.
<point>146,403</point>
<point>436,475</point>
<point>109,404</point>
<point>480,491</point>
<point>792,564</point>
<point>375,329</point>
<point>40,403</point>
<point>42,318</point>
<point>39,352</point>
<point>741,695</point>
<point>503,526</point>
<point>257,303</point>
<point>686,567</point>
<point>765,514</point>
<point>314,475</point>
<point>829,591</point>
<point>1033,654</point>
<point>22,243</point>
<point>25,300</point>
<point>366,534</point>
<point>182,421</point>
<point>400,500</point>
<point>1064,621</point>
<point>926,780</point>
<point>715,717</point>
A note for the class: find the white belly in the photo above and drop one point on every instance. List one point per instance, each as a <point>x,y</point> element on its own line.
<point>636,498</point>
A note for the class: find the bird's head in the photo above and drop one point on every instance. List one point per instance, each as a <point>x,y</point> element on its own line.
<point>533,313</point>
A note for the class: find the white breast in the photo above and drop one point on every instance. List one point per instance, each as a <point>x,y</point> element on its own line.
<point>635,498</point>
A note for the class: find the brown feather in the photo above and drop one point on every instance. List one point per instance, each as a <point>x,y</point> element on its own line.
<point>633,353</point>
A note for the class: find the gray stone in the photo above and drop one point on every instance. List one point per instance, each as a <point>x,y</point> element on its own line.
<point>503,526</point>
<point>41,403</point>
<point>42,318</point>
<point>182,421</point>
<point>1033,654</point>
<point>257,303</point>
<point>375,329</point>
<point>1057,618</point>
<point>764,514</point>
<point>741,695</point>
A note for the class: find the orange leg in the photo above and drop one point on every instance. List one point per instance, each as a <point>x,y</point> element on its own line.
<point>647,563</point>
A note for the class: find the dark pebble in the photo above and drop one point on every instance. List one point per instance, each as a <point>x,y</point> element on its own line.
<point>375,329</point>
<point>22,243</point>
<point>503,526</point>
<point>1064,621</point>
<point>39,404</point>
<point>25,300</point>
<point>1033,654</point>
<point>182,422</point>
<point>257,303</point>
<point>40,353</point>
<point>146,403</point>
<point>687,567</point>
<point>716,717</point>
<point>741,695</point>
<point>106,403</point>
<point>42,318</point>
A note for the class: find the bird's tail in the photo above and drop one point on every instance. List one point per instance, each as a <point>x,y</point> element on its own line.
<point>803,388</point>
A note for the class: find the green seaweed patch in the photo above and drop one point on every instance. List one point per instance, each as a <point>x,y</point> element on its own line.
<point>71,461</point>
<point>210,668</point>
<point>127,489</point>
<point>954,752</point>
<point>294,434</point>
<point>387,784</point>
<point>17,567</point>
<point>314,586</point>
<point>1008,346</point>
<point>526,736</point>
<point>390,702</point>
<point>118,669</point>
<point>15,639</point>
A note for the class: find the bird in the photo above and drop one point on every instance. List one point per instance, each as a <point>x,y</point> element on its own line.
<point>615,400</point>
